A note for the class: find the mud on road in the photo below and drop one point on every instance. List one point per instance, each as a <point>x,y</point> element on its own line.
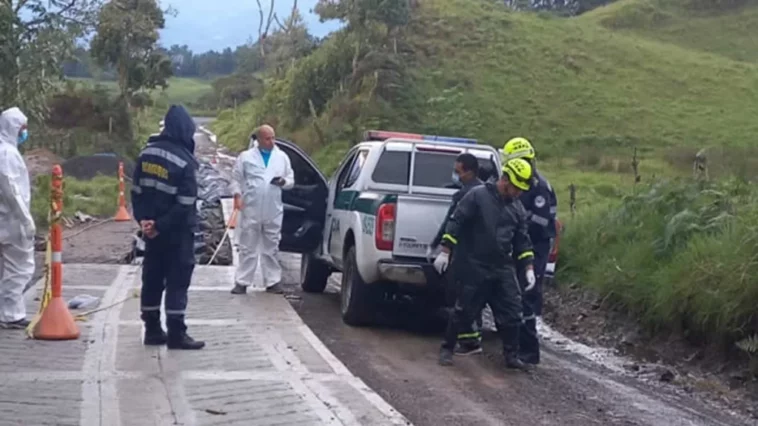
<point>399,361</point>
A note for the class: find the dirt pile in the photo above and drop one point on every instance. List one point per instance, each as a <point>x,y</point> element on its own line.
<point>87,167</point>
<point>41,161</point>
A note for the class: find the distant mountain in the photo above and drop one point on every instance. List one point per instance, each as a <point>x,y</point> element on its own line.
<point>215,25</point>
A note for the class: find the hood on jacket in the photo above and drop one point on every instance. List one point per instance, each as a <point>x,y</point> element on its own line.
<point>11,121</point>
<point>179,127</point>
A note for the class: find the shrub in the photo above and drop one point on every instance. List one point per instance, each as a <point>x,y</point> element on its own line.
<point>678,255</point>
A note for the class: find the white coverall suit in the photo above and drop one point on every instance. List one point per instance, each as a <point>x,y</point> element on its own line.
<point>16,222</point>
<point>259,225</point>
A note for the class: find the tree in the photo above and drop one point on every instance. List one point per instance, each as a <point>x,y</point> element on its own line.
<point>290,42</point>
<point>36,37</point>
<point>127,39</point>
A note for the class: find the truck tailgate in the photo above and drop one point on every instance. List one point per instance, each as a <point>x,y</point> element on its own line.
<point>418,218</point>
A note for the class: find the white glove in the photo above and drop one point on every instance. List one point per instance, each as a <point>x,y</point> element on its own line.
<point>429,252</point>
<point>441,262</point>
<point>531,280</point>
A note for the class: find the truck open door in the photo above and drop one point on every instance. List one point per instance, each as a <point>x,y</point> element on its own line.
<point>304,204</point>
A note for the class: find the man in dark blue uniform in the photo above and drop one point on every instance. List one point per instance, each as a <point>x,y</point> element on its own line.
<point>466,176</point>
<point>541,205</point>
<point>164,193</point>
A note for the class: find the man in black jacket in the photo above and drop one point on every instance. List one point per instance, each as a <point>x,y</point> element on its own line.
<point>488,229</point>
<point>465,175</point>
<point>164,193</point>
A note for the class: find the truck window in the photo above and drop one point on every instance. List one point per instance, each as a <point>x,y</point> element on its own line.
<point>433,169</point>
<point>344,172</point>
<point>355,169</point>
<point>392,168</point>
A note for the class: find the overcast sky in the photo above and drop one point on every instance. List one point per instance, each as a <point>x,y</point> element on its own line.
<point>216,24</point>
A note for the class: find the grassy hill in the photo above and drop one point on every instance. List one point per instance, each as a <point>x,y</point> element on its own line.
<point>180,90</point>
<point>727,30</point>
<point>584,91</point>
<point>569,82</point>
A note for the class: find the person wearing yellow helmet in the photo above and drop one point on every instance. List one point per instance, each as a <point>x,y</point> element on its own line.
<point>541,205</point>
<point>493,224</point>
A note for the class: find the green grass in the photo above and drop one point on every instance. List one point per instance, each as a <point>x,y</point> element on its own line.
<point>678,255</point>
<point>185,91</point>
<point>729,32</point>
<point>97,197</point>
<point>566,83</point>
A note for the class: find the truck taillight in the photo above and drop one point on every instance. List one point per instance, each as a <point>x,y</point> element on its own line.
<point>385,227</point>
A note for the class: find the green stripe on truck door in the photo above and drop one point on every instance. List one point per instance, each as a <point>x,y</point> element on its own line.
<point>349,200</point>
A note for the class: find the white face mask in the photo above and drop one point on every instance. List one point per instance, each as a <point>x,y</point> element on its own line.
<point>456,179</point>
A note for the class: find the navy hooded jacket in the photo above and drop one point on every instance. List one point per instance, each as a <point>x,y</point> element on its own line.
<point>164,187</point>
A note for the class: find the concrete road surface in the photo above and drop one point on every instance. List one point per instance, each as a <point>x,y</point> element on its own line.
<point>398,360</point>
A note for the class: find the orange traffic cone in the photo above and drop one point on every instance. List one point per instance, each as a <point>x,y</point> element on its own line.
<point>122,215</point>
<point>56,322</point>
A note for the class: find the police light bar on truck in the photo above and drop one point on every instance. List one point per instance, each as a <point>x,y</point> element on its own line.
<point>380,135</point>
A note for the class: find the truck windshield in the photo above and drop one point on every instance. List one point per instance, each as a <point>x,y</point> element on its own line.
<point>433,169</point>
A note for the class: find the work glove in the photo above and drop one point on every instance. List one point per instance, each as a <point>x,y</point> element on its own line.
<point>441,262</point>
<point>531,280</point>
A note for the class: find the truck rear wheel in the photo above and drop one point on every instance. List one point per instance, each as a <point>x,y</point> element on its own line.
<point>355,302</point>
<point>314,274</point>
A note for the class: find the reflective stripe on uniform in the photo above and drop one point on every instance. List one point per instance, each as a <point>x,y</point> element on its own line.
<point>168,156</point>
<point>151,308</point>
<point>187,201</point>
<point>526,254</point>
<point>474,335</point>
<point>529,317</point>
<point>136,189</point>
<point>553,210</point>
<point>160,186</point>
<point>539,220</point>
<point>450,238</point>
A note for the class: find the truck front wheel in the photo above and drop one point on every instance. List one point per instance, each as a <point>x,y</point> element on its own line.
<point>356,304</point>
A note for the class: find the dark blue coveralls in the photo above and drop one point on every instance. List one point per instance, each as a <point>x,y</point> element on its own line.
<point>165,190</point>
<point>541,205</point>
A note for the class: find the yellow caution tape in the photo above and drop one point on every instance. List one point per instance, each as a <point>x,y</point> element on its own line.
<point>46,291</point>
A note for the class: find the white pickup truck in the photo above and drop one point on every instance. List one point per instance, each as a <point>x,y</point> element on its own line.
<point>374,219</point>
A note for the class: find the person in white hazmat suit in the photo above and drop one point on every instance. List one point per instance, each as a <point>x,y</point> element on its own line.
<point>259,176</point>
<point>16,223</point>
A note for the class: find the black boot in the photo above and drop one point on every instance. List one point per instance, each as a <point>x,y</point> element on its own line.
<point>513,362</point>
<point>446,357</point>
<point>510,336</point>
<point>154,334</point>
<point>529,343</point>
<point>184,341</point>
<point>178,337</point>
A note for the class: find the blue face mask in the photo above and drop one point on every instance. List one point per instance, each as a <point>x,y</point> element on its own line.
<point>23,136</point>
<point>456,178</point>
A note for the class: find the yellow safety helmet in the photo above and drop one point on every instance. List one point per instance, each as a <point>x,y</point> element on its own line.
<point>517,148</point>
<point>519,172</point>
